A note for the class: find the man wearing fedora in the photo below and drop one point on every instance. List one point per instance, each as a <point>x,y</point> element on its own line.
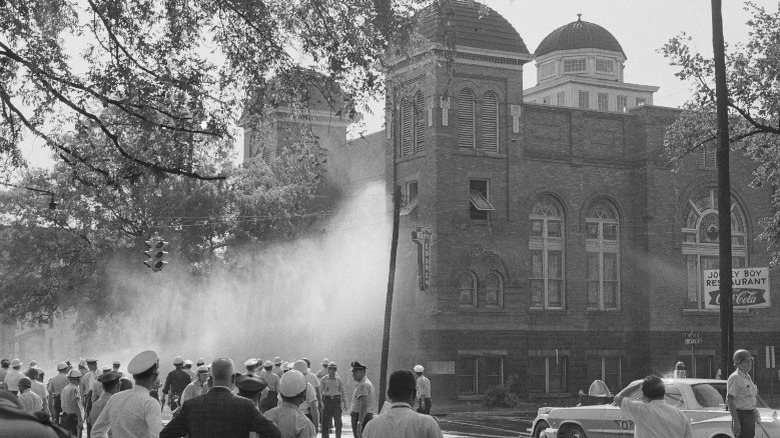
<point>362,409</point>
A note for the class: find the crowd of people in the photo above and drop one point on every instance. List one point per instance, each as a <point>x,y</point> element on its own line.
<point>271,398</point>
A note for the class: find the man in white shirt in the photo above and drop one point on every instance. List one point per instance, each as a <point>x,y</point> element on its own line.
<point>38,388</point>
<point>30,400</point>
<point>133,413</point>
<point>12,378</point>
<point>401,421</point>
<point>653,418</point>
<point>423,391</point>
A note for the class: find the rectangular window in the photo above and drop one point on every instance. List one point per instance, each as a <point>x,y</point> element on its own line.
<point>610,283</point>
<point>537,278</point>
<point>573,65</point>
<point>584,100</point>
<point>479,199</point>
<point>603,101</point>
<point>593,279</point>
<point>708,158</point>
<point>410,198</point>
<point>640,101</point>
<point>547,374</point>
<point>547,69</point>
<point>476,375</point>
<point>555,279</point>
<point>622,103</point>
<point>606,369</point>
<point>561,98</point>
<point>605,65</point>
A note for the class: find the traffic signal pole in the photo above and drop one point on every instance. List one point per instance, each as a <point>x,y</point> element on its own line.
<point>724,193</point>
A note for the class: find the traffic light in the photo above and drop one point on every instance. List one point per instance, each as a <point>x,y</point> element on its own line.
<point>156,251</point>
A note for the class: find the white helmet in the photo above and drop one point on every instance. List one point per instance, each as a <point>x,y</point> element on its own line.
<point>292,383</point>
<point>418,368</point>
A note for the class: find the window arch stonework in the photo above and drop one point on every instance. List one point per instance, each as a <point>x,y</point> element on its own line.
<point>700,240</point>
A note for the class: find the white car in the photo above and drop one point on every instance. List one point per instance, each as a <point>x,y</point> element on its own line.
<point>699,399</point>
<point>720,427</point>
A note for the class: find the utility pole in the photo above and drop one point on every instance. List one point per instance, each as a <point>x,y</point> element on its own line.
<point>389,299</point>
<point>724,193</point>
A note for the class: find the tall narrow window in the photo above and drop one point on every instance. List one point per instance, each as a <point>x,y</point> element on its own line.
<point>466,119</point>
<point>561,98</point>
<point>602,248</point>
<point>419,122</point>
<point>478,374</point>
<point>700,241</point>
<point>407,124</point>
<point>467,288</point>
<point>622,103</point>
<point>490,122</point>
<point>708,158</point>
<point>492,293</point>
<point>603,101</point>
<point>584,99</point>
<point>547,250</point>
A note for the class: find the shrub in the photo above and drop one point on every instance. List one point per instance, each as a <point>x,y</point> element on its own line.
<point>500,397</point>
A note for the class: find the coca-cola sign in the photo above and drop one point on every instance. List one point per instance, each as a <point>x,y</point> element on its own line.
<point>750,288</point>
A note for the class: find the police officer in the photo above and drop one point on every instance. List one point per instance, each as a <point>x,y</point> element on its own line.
<point>175,383</point>
<point>324,371</point>
<point>334,400</point>
<point>250,387</point>
<point>56,385</point>
<point>70,418</point>
<point>270,400</point>
<point>109,385</point>
<point>741,396</point>
<point>362,409</point>
<point>251,367</point>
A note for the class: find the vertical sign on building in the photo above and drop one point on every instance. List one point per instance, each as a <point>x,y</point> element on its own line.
<point>423,237</point>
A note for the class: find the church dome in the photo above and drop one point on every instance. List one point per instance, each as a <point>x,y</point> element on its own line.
<point>468,23</point>
<point>579,35</point>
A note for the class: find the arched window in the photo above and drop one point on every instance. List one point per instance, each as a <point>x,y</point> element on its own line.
<point>546,246</point>
<point>419,122</point>
<point>467,286</point>
<point>602,246</point>
<point>493,292</point>
<point>489,121</point>
<point>466,119</point>
<point>700,241</point>
<point>407,123</point>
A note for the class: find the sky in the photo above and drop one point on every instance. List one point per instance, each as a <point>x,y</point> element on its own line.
<point>641,27</point>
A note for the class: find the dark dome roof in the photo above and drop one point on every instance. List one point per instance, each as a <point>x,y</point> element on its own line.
<point>470,24</point>
<point>579,35</point>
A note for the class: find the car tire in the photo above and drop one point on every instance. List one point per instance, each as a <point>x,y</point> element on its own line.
<point>540,426</point>
<point>575,432</point>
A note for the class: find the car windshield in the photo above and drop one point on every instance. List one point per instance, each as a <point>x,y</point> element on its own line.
<point>713,395</point>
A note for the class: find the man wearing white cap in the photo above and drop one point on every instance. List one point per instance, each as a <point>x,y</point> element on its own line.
<point>251,366</point>
<point>334,398</point>
<point>278,366</point>
<point>85,386</point>
<point>12,378</point>
<point>188,369</point>
<point>219,413</point>
<point>270,397</point>
<point>133,413</point>
<point>56,385</point>
<point>175,382</point>
<point>70,417</point>
<point>423,391</point>
<point>198,386</point>
<point>287,416</point>
<point>324,371</point>
<point>309,406</point>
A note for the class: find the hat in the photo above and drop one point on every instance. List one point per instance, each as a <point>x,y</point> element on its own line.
<point>286,366</point>
<point>250,384</point>
<point>203,369</point>
<point>91,360</point>
<point>292,383</point>
<point>178,360</point>
<point>188,362</point>
<point>325,361</point>
<point>74,374</point>
<point>142,362</point>
<point>277,360</point>
<point>116,362</point>
<point>83,363</point>
<point>32,373</point>
<point>200,361</point>
<point>418,368</point>
<point>16,363</point>
<point>4,362</point>
<point>24,381</point>
<point>332,365</point>
<point>106,368</point>
<point>251,362</point>
<point>300,365</point>
<point>267,364</point>
<point>61,366</point>
<point>357,366</point>
<point>109,376</point>
<point>33,363</point>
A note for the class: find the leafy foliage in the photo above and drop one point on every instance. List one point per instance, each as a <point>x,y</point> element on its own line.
<point>753,77</point>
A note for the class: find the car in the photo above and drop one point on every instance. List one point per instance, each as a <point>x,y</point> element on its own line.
<point>720,427</point>
<point>699,399</point>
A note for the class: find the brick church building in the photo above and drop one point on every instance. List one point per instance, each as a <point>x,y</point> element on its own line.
<point>544,233</point>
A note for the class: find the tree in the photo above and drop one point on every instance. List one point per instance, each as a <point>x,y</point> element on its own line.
<point>753,76</point>
<point>174,69</point>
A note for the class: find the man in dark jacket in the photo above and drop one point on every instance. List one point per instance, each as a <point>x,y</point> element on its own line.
<point>175,383</point>
<point>219,412</point>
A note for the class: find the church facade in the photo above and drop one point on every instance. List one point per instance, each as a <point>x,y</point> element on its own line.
<point>546,241</point>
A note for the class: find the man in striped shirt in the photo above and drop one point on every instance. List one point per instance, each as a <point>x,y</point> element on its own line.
<point>30,400</point>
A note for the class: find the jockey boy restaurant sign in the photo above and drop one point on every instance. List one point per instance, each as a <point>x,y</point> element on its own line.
<point>750,288</point>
